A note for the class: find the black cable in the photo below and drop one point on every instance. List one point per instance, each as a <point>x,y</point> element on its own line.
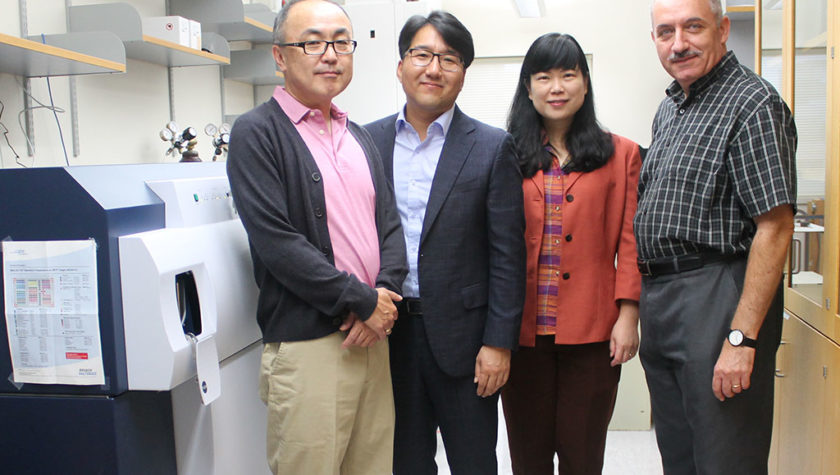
<point>55,113</point>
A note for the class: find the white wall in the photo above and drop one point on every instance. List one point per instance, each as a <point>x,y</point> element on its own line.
<point>627,78</point>
<point>742,41</point>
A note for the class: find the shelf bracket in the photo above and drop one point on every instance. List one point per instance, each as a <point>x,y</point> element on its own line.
<point>28,122</point>
<point>74,99</point>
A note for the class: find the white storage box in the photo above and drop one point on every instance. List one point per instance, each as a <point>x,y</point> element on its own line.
<point>170,28</point>
<point>195,34</point>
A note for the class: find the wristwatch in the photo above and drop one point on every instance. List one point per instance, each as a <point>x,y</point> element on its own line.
<point>737,338</point>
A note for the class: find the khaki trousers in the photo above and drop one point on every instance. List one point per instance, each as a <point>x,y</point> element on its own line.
<point>330,409</point>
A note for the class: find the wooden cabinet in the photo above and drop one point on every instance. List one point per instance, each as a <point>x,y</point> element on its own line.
<point>831,429</point>
<point>807,402</point>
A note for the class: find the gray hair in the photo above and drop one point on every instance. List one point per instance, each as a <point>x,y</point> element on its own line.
<point>714,5</point>
<point>283,15</point>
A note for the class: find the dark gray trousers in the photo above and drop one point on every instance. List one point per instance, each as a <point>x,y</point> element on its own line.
<point>684,319</point>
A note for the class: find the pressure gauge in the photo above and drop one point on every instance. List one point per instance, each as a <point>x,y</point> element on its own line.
<point>173,127</point>
<point>210,130</point>
<point>224,128</point>
<point>166,135</point>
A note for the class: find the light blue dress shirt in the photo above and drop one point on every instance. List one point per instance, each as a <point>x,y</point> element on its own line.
<point>415,163</point>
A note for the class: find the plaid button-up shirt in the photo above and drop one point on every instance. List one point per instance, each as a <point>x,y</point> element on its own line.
<point>719,157</point>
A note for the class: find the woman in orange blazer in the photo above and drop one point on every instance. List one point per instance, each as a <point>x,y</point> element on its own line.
<point>581,310</point>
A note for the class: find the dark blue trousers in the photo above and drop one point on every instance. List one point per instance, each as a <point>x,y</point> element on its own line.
<point>426,398</point>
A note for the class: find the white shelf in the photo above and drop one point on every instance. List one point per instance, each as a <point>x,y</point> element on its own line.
<point>62,55</point>
<point>740,12</point>
<point>123,20</point>
<point>229,18</point>
<point>253,66</point>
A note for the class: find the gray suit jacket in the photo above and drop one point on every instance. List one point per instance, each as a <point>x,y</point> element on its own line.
<point>471,262</point>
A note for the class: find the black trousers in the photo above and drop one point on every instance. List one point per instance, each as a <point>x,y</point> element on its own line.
<point>685,318</point>
<point>426,398</point>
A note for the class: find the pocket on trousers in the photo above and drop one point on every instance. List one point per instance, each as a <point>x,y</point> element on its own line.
<point>267,359</point>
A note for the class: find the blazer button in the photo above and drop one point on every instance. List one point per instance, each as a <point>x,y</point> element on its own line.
<point>568,238</point>
<point>316,177</point>
<point>336,321</point>
<point>570,198</point>
<point>566,276</point>
<point>319,213</point>
<point>326,250</point>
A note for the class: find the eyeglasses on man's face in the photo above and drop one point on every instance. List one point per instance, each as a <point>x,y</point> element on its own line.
<point>319,47</point>
<point>422,58</point>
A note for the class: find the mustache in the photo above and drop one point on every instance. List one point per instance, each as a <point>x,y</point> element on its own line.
<point>684,55</point>
<point>329,70</point>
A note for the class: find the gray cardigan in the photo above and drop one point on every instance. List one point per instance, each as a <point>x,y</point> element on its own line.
<point>279,194</point>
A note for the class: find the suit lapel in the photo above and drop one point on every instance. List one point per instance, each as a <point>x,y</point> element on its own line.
<point>389,136</point>
<point>538,182</point>
<point>571,179</point>
<point>459,142</point>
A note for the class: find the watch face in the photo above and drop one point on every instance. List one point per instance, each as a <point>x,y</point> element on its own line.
<point>736,337</point>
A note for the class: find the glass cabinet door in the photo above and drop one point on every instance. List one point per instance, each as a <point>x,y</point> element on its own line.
<point>809,108</point>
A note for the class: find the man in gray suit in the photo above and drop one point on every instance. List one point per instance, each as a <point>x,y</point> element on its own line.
<point>459,195</point>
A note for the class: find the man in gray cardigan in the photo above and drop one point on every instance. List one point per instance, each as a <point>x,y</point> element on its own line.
<point>328,253</point>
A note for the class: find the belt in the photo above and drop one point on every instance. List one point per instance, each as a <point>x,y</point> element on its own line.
<point>411,306</point>
<point>677,264</point>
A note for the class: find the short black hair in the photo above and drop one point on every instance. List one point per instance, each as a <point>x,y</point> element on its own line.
<point>454,33</point>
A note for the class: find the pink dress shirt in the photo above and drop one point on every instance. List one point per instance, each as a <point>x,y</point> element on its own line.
<point>348,186</point>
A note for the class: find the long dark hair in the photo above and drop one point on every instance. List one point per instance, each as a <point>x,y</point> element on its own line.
<point>589,146</point>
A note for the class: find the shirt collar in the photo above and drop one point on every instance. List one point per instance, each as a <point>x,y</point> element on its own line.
<point>443,121</point>
<point>297,111</point>
<point>676,93</point>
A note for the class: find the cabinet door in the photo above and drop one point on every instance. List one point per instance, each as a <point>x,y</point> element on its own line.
<point>803,397</point>
<point>773,462</point>
<point>831,438</point>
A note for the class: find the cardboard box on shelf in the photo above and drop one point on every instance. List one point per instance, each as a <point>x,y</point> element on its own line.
<point>170,28</point>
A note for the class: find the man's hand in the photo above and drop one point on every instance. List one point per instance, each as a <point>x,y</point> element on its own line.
<point>492,368</point>
<point>766,261</point>
<point>385,314</point>
<point>359,335</point>
<point>732,371</point>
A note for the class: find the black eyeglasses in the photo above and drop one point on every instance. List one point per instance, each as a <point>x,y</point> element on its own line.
<point>319,47</point>
<point>422,58</point>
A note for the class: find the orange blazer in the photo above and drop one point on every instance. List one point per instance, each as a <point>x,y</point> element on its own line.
<point>598,252</point>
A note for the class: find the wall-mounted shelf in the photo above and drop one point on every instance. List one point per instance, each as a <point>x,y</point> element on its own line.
<point>229,18</point>
<point>62,55</point>
<point>156,50</point>
<point>254,66</point>
<point>740,12</point>
<point>123,20</point>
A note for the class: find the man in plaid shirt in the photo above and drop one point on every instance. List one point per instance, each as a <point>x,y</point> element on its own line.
<point>715,218</point>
